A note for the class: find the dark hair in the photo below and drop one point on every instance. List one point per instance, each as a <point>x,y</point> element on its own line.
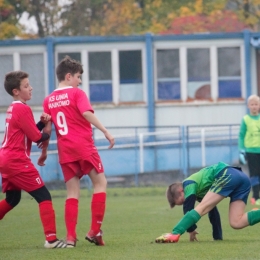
<point>13,80</point>
<point>172,193</point>
<point>68,65</point>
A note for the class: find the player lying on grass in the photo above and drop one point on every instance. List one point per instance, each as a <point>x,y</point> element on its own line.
<point>222,181</point>
<point>186,194</point>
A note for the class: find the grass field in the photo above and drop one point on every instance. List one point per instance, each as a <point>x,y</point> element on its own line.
<point>134,218</point>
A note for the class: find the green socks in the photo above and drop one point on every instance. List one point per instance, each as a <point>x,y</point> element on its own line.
<point>189,219</point>
<point>192,217</point>
<point>253,217</point>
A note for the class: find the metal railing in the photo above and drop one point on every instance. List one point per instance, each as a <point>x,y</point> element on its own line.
<point>140,150</point>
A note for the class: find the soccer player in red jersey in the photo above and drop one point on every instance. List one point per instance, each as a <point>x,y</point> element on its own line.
<point>73,115</point>
<point>17,171</point>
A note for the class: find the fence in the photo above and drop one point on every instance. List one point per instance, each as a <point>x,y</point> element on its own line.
<point>141,150</point>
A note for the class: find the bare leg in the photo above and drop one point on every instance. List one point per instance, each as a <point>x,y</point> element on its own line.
<point>73,188</point>
<point>238,218</point>
<point>210,200</point>
<point>190,218</point>
<point>99,181</point>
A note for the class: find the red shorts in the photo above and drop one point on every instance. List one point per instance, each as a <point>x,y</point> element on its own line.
<point>82,167</point>
<point>28,181</point>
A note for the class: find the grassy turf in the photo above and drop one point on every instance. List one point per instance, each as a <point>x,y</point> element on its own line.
<point>134,218</point>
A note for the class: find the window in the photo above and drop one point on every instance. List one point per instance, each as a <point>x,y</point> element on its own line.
<point>6,65</point>
<point>100,77</point>
<point>131,79</point>
<point>198,62</point>
<point>229,72</point>
<point>168,75</point>
<point>33,64</point>
<point>73,55</point>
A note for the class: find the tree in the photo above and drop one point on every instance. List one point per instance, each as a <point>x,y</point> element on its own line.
<point>77,17</point>
<point>206,17</point>
<point>124,17</point>
<point>47,14</point>
<point>248,11</point>
<point>129,17</point>
<point>218,21</point>
<point>8,21</point>
<point>118,17</point>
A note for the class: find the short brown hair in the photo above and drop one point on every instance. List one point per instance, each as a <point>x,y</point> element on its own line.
<point>172,193</point>
<point>13,80</point>
<point>68,65</point>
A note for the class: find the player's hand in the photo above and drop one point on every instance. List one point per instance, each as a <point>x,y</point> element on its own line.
<point>242,157</point>
<point>193,236</point>
<point>110,138</point>
<point>45,118</point>
<point>42,159</point>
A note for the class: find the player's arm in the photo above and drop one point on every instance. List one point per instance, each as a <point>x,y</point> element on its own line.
<point>44,145</point>
<point>241,145</point>
<point>29,128</point>
<point>44,119</point>
<point>242,133</point>
<point>92,119</point>
<point>215,221</point>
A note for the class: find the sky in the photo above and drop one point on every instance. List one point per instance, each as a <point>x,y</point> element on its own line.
<point>30,23</point>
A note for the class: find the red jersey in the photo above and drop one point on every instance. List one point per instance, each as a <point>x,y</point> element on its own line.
<point>74,133</point>
<point>20,131</point>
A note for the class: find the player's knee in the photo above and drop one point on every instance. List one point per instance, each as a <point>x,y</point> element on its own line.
<point>235,224</point>
<point>13,198</point>
<point>41,194</point>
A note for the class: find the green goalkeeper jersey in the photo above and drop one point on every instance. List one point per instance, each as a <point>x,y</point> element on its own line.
<point>200,182</point>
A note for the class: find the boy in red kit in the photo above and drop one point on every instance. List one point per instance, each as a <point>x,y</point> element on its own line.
<point>18,172</point>
<point>72,116</point>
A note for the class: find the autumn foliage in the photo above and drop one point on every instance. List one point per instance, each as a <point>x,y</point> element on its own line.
<point>218,21</point>
<point>128,17</point>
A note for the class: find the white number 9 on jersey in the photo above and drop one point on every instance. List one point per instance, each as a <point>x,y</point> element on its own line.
<point>62,124</point>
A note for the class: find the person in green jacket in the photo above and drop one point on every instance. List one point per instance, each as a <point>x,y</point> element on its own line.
<point>249,145</point>
<point>217,182</point>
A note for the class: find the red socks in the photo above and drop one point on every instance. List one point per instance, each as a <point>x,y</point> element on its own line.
<point>48,220</point>
<point>98,206</point>
<point>71,218</point>
<point>4,208</point>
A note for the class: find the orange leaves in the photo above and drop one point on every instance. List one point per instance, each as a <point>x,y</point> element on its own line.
<point>216,21</point>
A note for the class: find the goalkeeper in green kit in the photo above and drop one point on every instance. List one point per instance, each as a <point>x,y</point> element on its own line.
<point>213,183</point>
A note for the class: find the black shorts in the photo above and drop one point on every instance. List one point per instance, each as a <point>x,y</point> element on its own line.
<point>253,161</point>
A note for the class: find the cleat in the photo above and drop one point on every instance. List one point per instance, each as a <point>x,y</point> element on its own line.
<point>168,238</point>
<point>71,243</point>
<point>96,239</point>
<point>56,244</point>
